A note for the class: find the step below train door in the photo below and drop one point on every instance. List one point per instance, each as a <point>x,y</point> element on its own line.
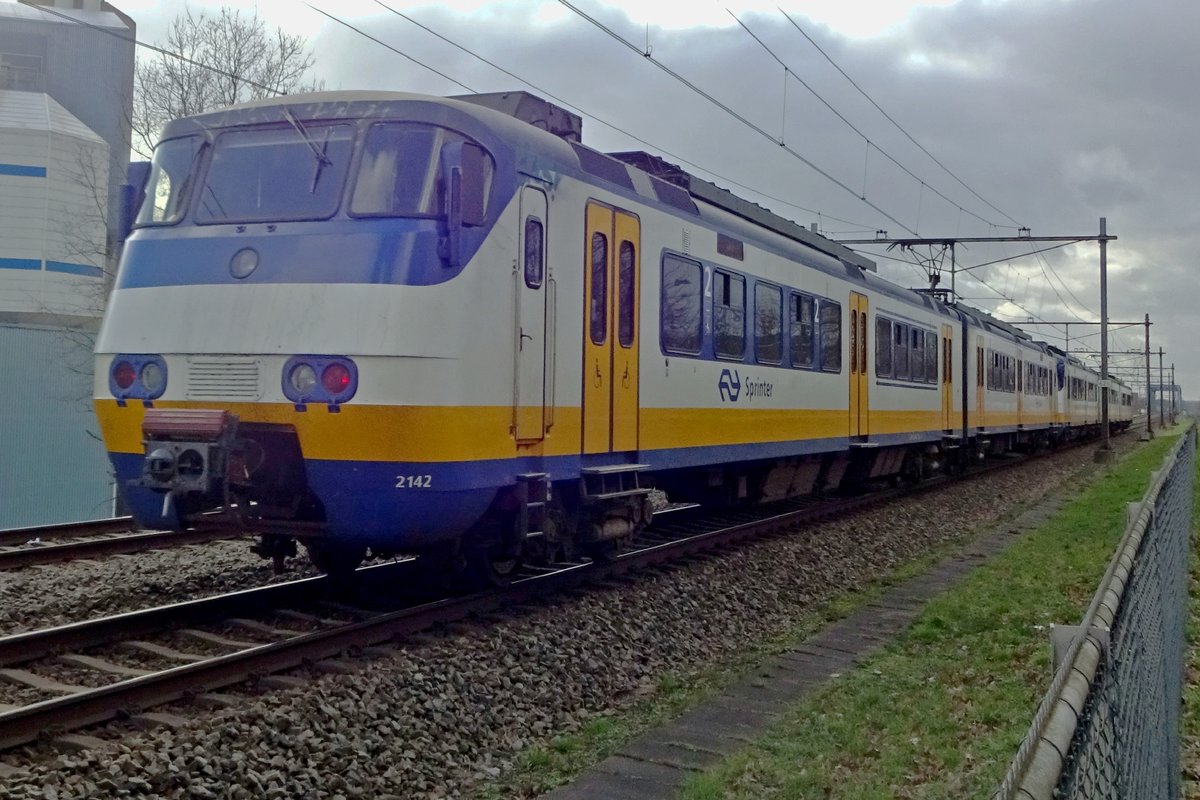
<point>531,330</point>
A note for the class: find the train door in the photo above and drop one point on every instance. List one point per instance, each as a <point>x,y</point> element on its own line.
<point>531,280</point>
<point>860,406</point>
<point>947,378</point>
<point>980,383</point>
<point>610,342</point>
<point>1020,391</point>
<point>1057,404</point>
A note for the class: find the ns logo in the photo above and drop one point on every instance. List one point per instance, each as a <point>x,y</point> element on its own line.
<point>729,385</point>
<point>732,387</point>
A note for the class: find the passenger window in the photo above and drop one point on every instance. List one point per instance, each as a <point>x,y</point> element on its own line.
<point>803,318</point>
<point>931,355</point>
<point>883,347</point>
<point>598,314</point>
<point>918,355</point>
<point>626,292</point>
<point>768,330</point>
<point>534,253</point>
<point>831,336</point>
<point>903,372</point>
<point>681,312</point>
<point>729,314</point>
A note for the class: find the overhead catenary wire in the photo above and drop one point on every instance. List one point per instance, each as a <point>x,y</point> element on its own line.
<point>899,127</point>
<point>160,50</point>
<point>277,93</point>
<point>732,113</point>
<point>1043,263</point>
<point>273,91</point>
<point>789,71</point>
<point>604,122</point>
<point>389,47</point>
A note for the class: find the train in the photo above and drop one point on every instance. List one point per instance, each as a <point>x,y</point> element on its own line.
<point>383,323</point>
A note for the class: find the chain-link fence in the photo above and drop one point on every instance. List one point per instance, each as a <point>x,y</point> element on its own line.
<point>1109,725</point>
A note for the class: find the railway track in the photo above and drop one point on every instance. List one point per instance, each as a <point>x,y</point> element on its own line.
<point>194,648</point>
<point>50,544</point>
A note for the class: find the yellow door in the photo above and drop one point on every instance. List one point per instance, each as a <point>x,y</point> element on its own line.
<point>947,378</point>
<point>610,336</point>
<point>1020,392</point>
<point>980,384</point>
<point>627,263</point>
<point>860,406</point>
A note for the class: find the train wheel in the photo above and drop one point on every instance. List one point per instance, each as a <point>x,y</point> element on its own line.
<point>603,551</point>
<point>334,559</point>
<point>492,566</point>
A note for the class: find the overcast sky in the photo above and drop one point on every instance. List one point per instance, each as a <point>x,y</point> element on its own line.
<point>1047,114</point>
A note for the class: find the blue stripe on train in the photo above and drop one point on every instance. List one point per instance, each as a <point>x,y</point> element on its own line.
<point>410,504</point>
<point>393,251</point>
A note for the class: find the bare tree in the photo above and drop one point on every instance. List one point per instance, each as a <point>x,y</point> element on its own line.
<point>227,58</point>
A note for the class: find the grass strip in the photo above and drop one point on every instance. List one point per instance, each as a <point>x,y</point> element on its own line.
<point>941,711</point>
<point>540,768</point>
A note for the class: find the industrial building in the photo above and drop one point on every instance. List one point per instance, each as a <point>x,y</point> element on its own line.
<point>66,78</point>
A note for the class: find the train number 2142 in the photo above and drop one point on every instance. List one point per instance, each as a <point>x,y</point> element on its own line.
<point>414,481</point>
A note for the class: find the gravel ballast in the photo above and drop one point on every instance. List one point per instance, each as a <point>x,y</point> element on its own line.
<point>445,714</point>
<point>56,594</point>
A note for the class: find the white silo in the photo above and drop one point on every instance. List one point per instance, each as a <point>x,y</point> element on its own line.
<point>64,88</point>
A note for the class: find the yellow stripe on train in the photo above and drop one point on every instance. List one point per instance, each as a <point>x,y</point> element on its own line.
<point>472,433</point>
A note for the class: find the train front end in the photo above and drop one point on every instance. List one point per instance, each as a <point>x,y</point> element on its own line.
<point>283,345</point>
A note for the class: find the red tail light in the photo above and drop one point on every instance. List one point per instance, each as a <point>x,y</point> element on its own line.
<point>124,374</point>
<point>335,379</point>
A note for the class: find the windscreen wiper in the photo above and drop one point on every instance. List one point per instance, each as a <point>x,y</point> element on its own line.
<point>322,159</point>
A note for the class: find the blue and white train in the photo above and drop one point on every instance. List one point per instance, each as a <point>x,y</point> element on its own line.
<point>444,326</point>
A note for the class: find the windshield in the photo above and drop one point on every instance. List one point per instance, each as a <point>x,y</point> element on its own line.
<point>274,174</point>
<point>171,174</point>
<point>400,172</point>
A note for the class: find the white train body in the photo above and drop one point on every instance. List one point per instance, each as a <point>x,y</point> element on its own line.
<point>542,318</point>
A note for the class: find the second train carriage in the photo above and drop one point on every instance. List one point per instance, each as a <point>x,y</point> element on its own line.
<point>404,323</point>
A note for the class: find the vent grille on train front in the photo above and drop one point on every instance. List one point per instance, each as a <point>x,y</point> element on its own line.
<point>223,378</point>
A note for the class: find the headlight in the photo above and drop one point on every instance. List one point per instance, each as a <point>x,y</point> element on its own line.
<point>152,377</point>
<point>303,378</point>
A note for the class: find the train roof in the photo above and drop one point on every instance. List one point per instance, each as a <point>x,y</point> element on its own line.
<point>723,198</point>
<point>988,322</point>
